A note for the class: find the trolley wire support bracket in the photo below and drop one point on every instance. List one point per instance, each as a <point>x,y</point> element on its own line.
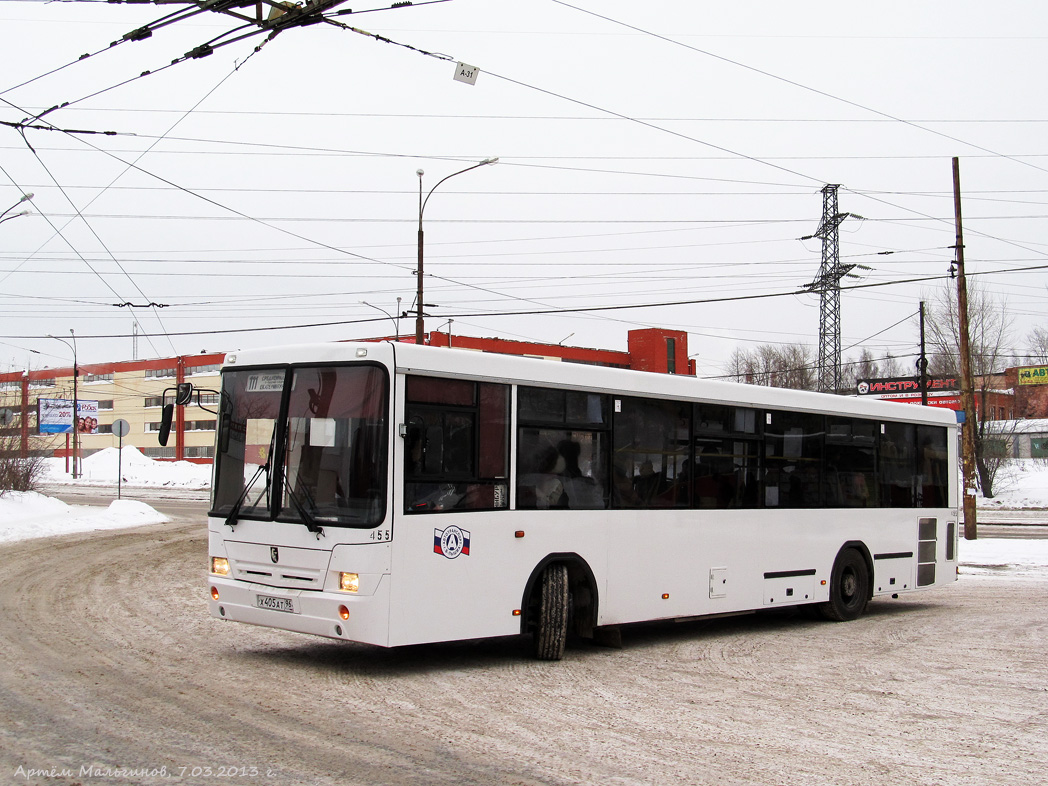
<point>282,14</point>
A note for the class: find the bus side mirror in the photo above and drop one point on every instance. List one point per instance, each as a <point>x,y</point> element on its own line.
<point>165,422</point>
<point>184,393</point>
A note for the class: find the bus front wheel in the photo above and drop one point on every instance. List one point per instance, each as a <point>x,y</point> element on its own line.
<point>849,588</point>
<point>551,624</point>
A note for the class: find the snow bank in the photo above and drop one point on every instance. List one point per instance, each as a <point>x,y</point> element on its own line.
<point>1004,557</point>
<point>1021,483</point>
<point>26,514</point>
<point>100,469</point>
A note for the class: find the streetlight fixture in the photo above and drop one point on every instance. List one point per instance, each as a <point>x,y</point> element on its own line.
<point>396,322</point>
<point>25,198</point>
<point>76,407</point>
<point>420,328</point>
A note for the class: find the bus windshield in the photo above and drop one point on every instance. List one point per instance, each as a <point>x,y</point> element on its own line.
<point>323,461</point>
<point>335,459</point>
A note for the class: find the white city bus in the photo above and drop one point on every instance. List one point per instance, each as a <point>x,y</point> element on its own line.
<point>393,494</point>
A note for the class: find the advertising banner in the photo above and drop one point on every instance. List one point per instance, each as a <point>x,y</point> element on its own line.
<point>1033,375</point>
<point>943,402</point>
<point>893,386</point>
<point>87,417</point>
<point>55,416</point>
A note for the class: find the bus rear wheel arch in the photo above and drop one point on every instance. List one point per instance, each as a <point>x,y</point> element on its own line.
<point>850,585</point>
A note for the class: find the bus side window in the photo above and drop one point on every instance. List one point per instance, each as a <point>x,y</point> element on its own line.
<point>793,460</point>
<point>896,465</point>
<point>455,445</point>
<point>933,466</point>
<point>652,445</point>
<point>557,468</point>
<point>725,472</point>
<point>563,447</point>
<point>851,462</point>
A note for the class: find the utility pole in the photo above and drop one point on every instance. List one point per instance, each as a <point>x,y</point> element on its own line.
<point>828,284</point>
<point>76,412</point>
<point>922,364</point>
<point>420,325</point>
<point>967,383</point>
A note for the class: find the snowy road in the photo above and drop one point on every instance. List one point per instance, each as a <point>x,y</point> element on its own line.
<point>111,672</point>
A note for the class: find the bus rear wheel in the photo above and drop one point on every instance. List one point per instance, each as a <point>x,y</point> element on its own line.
<point>849,588</point>
<point>551,624</point>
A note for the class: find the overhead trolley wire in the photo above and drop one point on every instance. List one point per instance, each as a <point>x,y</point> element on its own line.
<point>800,85</point>
<point>656,127</point>
<point>91,229</point>
<point>554,312</point>
<point>624,117</point>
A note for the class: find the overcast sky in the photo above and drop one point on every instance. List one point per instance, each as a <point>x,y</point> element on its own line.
<point>650,154</point>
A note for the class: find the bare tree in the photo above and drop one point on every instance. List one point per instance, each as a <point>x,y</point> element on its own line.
<point>870,366</point>
<point>785,366</point>
<point>1032,402</point>
<point>737,366</point>
<point>17,472</point>
<point>989,329</point>
<point>1037,345</point>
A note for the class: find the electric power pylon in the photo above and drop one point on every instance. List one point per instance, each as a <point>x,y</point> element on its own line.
<point>828,284</point>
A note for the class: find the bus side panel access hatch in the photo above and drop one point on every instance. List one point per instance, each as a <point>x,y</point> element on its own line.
<point>789,586</point>
<point>718,583</point>
<point>893,572</point>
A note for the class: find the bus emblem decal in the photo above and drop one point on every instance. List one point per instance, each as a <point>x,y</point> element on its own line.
<point>451,542</point>
<point>274,555</point>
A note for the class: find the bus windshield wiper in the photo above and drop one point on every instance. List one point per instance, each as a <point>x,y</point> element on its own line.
<point>307,517</point>
<point>231,519</point>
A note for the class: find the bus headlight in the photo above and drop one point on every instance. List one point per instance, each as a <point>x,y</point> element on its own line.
<point>220,566</point>
<point>349,582</point>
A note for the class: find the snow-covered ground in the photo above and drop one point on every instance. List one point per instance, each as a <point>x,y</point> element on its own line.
<point>1022,485</point>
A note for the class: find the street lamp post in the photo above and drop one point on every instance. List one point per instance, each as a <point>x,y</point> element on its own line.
<point>76,407</point>
<point>396,322</point>
<point>420,328</point>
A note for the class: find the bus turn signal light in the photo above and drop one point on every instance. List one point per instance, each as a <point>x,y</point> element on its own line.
<point>343,612</point>
<point>214,593</point>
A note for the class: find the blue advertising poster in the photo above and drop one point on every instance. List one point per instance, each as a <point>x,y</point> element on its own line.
<point>55,416</point>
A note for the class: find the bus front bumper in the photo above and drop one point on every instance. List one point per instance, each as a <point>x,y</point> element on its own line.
<point>336,615</point>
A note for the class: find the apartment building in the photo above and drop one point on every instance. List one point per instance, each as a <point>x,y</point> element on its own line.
<point>128,390</point>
